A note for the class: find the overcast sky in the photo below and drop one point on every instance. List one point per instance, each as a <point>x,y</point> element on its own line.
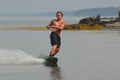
<point>33,6</point>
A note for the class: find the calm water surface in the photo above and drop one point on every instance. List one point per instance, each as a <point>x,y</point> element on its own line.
<point>84,55</point>
<point>9,21</point>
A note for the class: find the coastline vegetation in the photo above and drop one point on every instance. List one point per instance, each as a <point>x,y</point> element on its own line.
<point>67,27</point>
<point>84,27</point>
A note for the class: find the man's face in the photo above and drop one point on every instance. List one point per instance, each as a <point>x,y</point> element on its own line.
<point>59,16</point>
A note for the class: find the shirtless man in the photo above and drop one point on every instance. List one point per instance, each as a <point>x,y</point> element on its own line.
<point>56,25</point>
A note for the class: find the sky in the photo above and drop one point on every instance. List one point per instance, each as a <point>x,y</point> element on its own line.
<point>34,6</point>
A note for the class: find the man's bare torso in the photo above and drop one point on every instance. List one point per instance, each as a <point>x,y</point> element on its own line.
<point>57,23</point>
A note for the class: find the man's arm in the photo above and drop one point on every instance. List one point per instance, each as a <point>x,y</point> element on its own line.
<point>50,24</point>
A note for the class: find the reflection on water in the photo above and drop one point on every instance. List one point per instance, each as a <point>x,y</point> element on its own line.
<point>56,73</point>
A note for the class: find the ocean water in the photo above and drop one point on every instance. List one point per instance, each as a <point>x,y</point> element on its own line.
<point>6,21</point>
<point>17,21</point>
<point>84,55</point>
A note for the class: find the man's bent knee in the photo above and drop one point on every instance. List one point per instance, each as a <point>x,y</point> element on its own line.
<point>57,50</point>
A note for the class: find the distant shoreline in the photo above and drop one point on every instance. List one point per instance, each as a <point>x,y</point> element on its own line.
<point>67,27</point>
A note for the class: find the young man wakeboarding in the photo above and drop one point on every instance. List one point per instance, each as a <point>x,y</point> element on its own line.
<point>56,25</point>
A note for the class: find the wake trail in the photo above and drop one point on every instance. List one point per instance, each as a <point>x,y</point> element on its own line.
<point>18,57</point>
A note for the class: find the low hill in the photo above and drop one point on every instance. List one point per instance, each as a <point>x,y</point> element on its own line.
<point>109,11</point>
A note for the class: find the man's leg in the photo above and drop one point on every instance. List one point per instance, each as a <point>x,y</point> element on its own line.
<point>57,50</point>
<point>54,50</point>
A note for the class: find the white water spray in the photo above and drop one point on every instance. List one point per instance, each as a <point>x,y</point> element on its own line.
<point>17,57</point>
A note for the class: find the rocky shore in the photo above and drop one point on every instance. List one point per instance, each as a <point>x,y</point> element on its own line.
<point>115,25</point>
<point>96,23</point>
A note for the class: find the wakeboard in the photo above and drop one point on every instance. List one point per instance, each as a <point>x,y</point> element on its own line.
<point>51,61</point>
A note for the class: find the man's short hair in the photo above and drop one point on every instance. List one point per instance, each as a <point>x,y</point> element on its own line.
<point>60,13</point>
